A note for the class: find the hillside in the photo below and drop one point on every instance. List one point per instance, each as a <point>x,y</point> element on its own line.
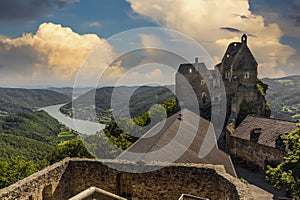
<point>141,101</point>
<point>70,91</point>
<point>284,97</point>
<point>13,100</point>
<point>31,135</point>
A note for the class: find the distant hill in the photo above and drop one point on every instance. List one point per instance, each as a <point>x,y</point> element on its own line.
<point>13,100</point>
<point>141,101</point>
<point>70,91</point>
<point>284,97</point>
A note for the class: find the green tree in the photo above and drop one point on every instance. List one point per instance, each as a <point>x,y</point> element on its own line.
<point>73,148</point>
<point>287,173</point>
<point>136,127</point>
<point>14,170</point>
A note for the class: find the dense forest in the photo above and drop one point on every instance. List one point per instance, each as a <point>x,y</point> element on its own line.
<point>27,136</point>
<point>30,134</point>
<point>30,141</point>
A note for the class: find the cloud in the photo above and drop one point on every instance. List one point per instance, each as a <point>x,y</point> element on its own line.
<point>285,13</point>
<point>28,9</point>
<point>156,73</point>
<point>147,74</point>
<point>94,24</point>
<point>231,29</point>
<point>202,19</point>
<point>52,53</point>
<point>3,37</point>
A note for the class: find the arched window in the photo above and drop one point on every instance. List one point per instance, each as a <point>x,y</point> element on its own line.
<point>247,75</point>
<point>203,97</point>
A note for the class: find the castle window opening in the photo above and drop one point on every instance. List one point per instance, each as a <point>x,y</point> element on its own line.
<point>247,75</point>
<point>227,75</point>
<point>203,97</point>
<point>190,70</point>
<point>254,134</point>
<point>202,82</point>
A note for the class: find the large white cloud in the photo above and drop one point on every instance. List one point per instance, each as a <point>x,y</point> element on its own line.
<point>215,23</point>
<point>56,55</point>
<point>52,53</point>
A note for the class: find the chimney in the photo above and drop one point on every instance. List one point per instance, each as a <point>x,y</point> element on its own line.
<point>196,60</point>
<point>244,39</point>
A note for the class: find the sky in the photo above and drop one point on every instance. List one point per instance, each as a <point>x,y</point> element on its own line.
<point>46,42</point>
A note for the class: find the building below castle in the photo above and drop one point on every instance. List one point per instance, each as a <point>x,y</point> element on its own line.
<point>257,142</point>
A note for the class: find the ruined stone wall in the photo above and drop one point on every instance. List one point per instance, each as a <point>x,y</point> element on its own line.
<point>252,153</point>
<point>72,176</point>
<point>51,182</point>
<point>166,183</point>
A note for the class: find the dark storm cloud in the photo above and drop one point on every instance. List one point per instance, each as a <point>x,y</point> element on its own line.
<point>293,13</point>
<point>295,19</point>
<point>29,9</point>
<point>287,10</point>
<point>230,29</point>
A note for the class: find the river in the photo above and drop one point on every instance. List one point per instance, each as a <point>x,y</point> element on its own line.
<point>81,126</point>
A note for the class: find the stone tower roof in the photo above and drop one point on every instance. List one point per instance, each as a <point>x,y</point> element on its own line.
<point>239,56</point>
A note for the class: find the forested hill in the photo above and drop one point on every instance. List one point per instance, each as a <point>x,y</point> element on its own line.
<point>31,135</point>
<point>13,100</point>
<point>141,100</point>
<point>70,91</point>
<point>284,97</point>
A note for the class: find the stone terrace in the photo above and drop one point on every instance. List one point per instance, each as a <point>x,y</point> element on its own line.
<point>69,177</point>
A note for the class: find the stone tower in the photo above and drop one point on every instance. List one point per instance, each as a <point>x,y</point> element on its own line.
<point>245,93</point>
